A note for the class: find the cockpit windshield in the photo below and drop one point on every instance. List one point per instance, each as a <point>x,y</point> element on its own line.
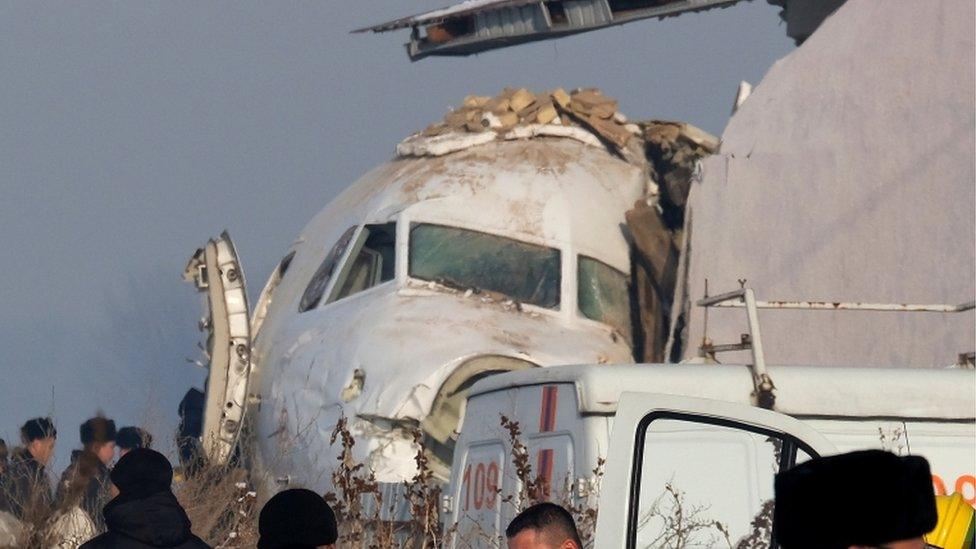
<point>466,259</point>
<point>603,294</point>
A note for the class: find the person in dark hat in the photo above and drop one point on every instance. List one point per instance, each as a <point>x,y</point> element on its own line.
<point>297,519</point>
<point>145,513</point>
<point>130,438</point>
<point>857,500</point>
<point>85,481</point>
<point>25,490</point>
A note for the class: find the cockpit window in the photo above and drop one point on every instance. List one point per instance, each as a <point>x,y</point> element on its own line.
<point>603,294</point>
<point>465,259</point>
<point>371,263</point>
<point>264,301</point>
<point>320,280</point>
<point>285,263</point>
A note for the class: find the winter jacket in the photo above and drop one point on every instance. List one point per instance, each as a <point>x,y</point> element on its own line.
<point>153,521</point>
<point>68,529</point>
<point>25,491</point>
<point>11,531</point>
<point>86,469</point>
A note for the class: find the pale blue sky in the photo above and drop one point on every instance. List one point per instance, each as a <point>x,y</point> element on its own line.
<point>130,132</point>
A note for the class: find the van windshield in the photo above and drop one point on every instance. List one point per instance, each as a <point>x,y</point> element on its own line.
<point>466,259</point>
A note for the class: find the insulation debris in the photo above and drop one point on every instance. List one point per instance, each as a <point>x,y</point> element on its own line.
<point>673,149</point>
<point>585,114</point>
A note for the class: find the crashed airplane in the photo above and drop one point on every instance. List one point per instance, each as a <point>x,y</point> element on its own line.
<point>531,230</point>
<point>495,241</point>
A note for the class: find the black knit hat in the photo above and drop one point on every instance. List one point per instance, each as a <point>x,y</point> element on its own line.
<point>296,518</point>
<point>38,428</point>
<point>861,498</point>
<point>142,472</point>
<point>97,430</point>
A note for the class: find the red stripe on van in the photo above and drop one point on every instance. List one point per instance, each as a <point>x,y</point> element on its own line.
<point>545,464</point>
<point>547,416</point>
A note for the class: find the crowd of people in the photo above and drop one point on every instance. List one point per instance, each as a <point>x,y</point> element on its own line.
<point>71,511</point>
<point>131,505</point>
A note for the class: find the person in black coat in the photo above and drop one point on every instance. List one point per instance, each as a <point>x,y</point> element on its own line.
<point>868,498</point>
<point>145,513</point>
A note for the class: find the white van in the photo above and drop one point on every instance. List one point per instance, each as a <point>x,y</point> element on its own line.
<point>697,466</point>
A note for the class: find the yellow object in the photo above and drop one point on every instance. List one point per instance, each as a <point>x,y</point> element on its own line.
<point>957,521</point>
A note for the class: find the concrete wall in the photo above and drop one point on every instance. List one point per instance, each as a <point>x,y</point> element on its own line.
<point>848,175</point>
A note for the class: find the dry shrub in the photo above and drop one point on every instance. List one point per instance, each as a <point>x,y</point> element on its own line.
<point>682,524</point>
<point>762,528</point>
<point>424,495</point>
<point>220,504</point>
<point>358,501</point>
<point>535,489</point>
<point>353,484</point>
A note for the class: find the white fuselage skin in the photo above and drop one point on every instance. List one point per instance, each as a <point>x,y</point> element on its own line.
<point>402,338</point>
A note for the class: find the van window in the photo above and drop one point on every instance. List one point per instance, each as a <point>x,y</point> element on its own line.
<point>603,295</point>
<point>372,262</point>
<point>465,259</point>
<point>320,280</point>
<point>713,478</point>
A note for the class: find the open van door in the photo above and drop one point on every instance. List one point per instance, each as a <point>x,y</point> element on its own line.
<point>691,472</point>
<point>215,270</point>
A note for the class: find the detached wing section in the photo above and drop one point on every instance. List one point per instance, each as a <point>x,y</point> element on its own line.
<point>216,272</point>
<point>475,26</point>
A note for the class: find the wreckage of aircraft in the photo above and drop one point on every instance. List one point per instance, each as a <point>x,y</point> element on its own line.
<point>475,26</point>
<point>495,241</point>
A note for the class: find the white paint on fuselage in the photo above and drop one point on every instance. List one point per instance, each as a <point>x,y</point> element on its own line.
<point>406,335</point>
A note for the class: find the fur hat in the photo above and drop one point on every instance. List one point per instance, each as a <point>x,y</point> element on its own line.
<point>97,430</point>
<point>38,428</point>
<point>142,472</point>
<point>296,518</point>
<point>129,438</point>
<point>861,498</point>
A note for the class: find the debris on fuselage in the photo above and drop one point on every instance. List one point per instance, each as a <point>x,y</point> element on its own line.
<point>673,150</point>
<point>667,152</point>
<point>585,114</point>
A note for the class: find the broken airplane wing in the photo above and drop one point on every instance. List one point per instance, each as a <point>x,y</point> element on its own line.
<point>475,26</point>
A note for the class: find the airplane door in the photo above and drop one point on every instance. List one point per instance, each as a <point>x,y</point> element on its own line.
<point>694,472</point>
<point>216,271</point>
